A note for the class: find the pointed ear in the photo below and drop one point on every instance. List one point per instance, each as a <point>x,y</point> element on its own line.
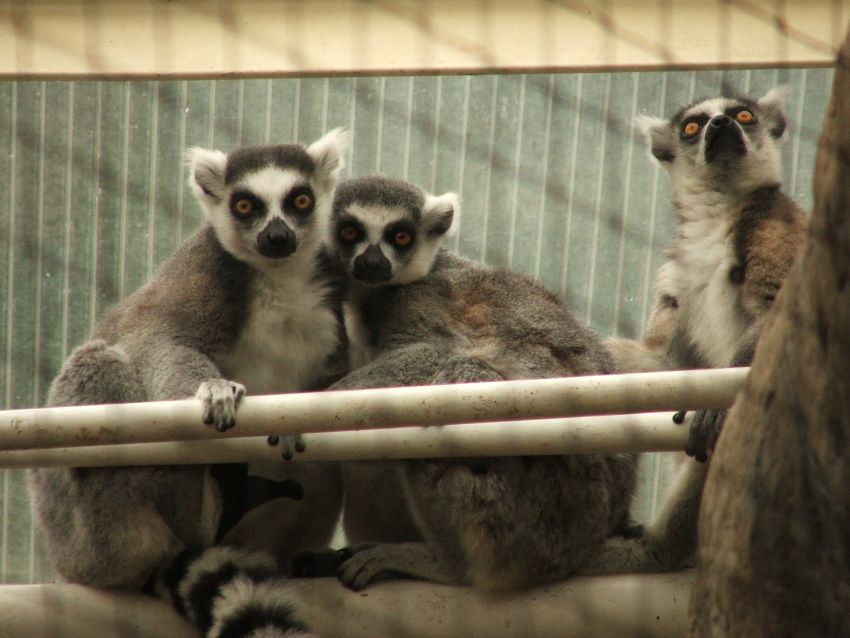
<point>206,174</point>
<point>438,213</point>
<point>661,137</point>
<point>327,152</point>
<point>772,106</point>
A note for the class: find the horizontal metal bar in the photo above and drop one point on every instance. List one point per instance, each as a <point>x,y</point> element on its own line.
<point>371,409</point>
<point>653,432</point>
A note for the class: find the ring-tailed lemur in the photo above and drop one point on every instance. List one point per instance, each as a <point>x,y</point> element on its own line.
<point>251,298</point>
<point>736,237</point>
<point>386,233</point>
<point>495,523</point>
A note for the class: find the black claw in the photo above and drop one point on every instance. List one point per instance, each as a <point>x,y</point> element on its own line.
<point>221,427</point>
<point>273,439</point>
<point>300,445</point>
<point>287,455</point>
<point>679,417</point>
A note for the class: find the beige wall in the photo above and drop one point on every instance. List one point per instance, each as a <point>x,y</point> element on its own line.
<point>201,38</point>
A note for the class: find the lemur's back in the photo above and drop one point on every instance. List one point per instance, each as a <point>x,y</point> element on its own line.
<point>497,523</point>
<point>513,324</point>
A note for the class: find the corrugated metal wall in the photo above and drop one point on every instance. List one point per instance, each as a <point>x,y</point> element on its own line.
<point>554,181</point>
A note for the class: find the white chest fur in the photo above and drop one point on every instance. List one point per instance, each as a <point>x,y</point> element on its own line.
<point>709,302</point>
<point>289,333</point>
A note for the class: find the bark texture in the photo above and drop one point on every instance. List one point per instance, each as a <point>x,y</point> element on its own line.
<point>775,516</point>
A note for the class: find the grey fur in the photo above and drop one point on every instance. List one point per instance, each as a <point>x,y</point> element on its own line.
<point>183,335</point>
<point>380,190</point>
<point>284,156</point>
<point>495,523</point>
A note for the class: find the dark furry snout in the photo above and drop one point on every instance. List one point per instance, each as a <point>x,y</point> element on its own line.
<point>723,136</point>
<point>276,240</point>
<point>372,267</point>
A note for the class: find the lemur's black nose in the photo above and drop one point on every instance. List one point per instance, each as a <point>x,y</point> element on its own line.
<point>720,121</point>
<point>276,240</point>
<point>723,139</point>
<point>372,267</point>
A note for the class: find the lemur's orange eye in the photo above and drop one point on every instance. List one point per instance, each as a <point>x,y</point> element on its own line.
<point>402,238</point>
<point>244,206</point>
<point>745,117</point>
<point>302,201</point>
<point>349,234</point>
<point>691,129</point>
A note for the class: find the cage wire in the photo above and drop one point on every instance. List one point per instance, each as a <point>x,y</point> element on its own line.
<point>554,178</point>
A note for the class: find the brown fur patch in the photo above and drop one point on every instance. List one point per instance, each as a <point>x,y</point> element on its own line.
<point>772,249</point>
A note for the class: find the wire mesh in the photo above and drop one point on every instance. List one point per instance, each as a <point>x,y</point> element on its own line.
<point>554,178</point>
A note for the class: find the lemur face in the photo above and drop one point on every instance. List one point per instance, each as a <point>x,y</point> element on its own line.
<point>387,231</point>
<point>723,143</point>
<point>266,202</point>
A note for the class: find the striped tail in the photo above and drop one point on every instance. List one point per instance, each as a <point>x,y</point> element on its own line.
<point>232,593</point>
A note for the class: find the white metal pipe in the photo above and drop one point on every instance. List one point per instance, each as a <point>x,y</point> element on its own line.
<point>370,409</point>
<point>652,432</point>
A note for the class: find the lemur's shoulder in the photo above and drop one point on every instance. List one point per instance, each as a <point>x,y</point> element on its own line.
<point>770,228</point>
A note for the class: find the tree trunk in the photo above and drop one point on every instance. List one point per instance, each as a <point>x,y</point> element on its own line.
<point>775,516</point>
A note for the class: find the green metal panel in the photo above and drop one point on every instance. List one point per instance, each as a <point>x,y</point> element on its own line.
<point>554,181</point>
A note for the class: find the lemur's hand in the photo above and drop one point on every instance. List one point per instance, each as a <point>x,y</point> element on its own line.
<point>704,430</point>
<point>221,398</point>
<point>291,444</point>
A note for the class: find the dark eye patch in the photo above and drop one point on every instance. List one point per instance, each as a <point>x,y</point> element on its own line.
<point>349,231</point>
<point>700,119</point>
<point>300,200</point>
<point>237,206</point>
<point>401,236</point>
<point>735,111</point>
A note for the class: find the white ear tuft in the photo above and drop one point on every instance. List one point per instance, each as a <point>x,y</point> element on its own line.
<point>647,123</point>
<point>775,98</point>
<point>771,106</point>
<point>660,136</point>
<point>441,213</point>
<point>328,151</point>
<point>206,174</point>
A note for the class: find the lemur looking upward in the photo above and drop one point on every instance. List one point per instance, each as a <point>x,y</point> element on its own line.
<point>498,523</point>
<point>736,237</point>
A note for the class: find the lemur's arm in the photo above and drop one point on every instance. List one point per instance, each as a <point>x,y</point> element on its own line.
<point>768,252</point>
<point>707,424</point>
<point>767,243</point>
<point>170,370</point>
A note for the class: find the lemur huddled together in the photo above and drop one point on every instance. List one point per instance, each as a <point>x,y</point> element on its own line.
<point>299,283</point>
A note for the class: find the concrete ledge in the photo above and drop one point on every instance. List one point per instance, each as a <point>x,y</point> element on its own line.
<point>654,605</point>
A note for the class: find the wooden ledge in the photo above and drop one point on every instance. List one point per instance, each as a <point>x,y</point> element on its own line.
<point>652,605</point>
